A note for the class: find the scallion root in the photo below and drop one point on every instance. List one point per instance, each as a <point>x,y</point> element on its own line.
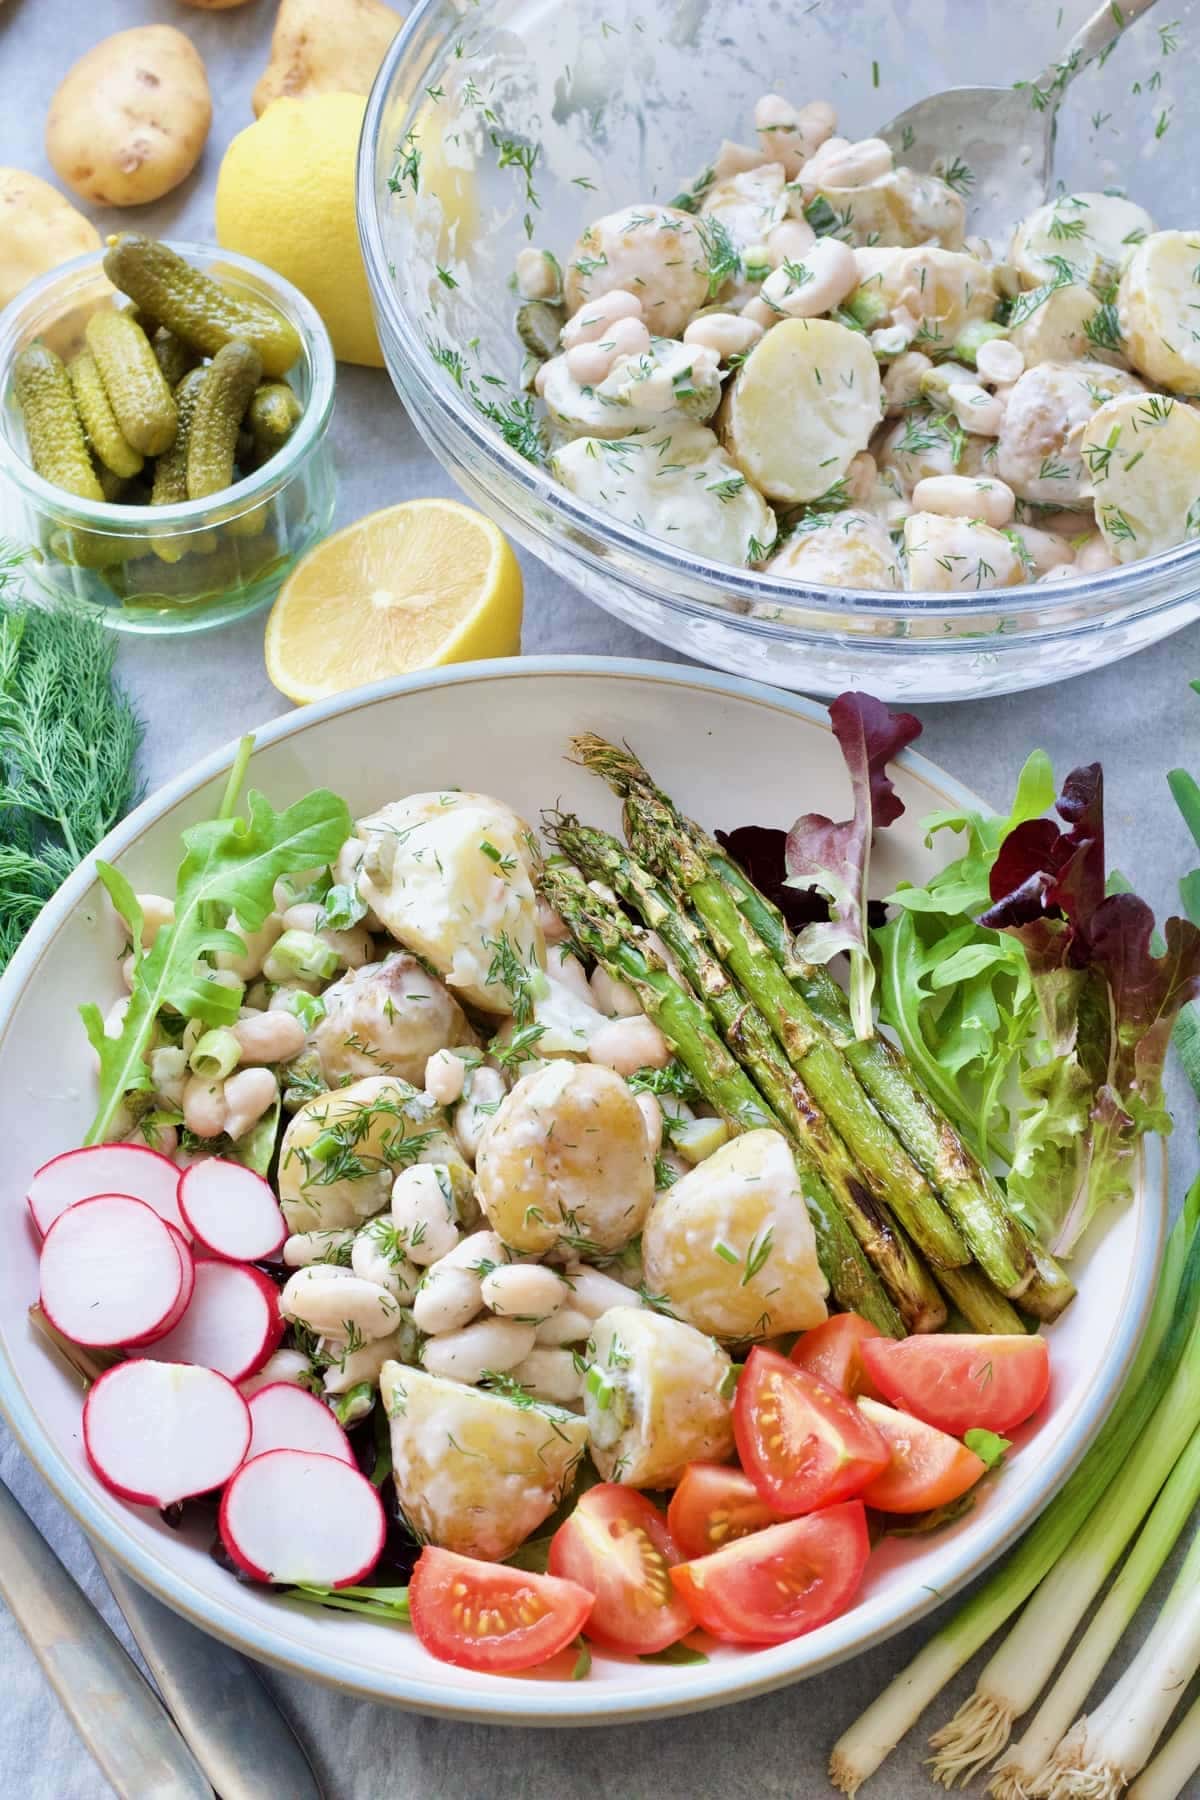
<point>974,1737</point>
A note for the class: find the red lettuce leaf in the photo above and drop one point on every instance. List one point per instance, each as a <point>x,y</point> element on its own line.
<point>834,857</point>
<point>761,851</point>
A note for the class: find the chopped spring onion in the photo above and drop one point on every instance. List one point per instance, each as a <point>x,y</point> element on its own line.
<point>216,1055</point>
<point>1103,1752</point>
<point>1168,1775</point>
<point>860,1750</point>
<point>1022,1765</point>
<point>300,956</point>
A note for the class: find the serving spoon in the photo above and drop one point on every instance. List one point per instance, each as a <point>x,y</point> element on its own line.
<point>1002,138</point>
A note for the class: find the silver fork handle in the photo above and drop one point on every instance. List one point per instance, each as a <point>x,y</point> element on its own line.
<point>114,1711</point>
<point>1090,41</point>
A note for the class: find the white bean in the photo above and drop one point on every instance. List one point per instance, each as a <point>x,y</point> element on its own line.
<point>567,1326</point>
<point>248,963</point>
<point>445,1077</point>
<point>286,1365</point>
<point>736,159</point>
<point>789,241</point>
<point>759,313</point>
<point>627,1045</point>
<point>595,316</point>
<point>270,1037</point>
<point>962,497</point>
<point>475,1252</point>
<point>523,1291</point>
<point>564,966</point>
<point>726,334</point>
<point>844,166</point>
<point>550,1375</point>
<point>423,1212</point>
<point>373,1258</point>
<point>593,1292</point>
<point>129,970</point>
<point>553,927</point>
<point>652,1118</point>
<point>902,383</point>
<point>204,1107</point>
<point>822,281</point>
<point>304,1248</point>
<point>789,134</point>
<point>157,911</point>
<point>487,1089</point>
<point>999,362</point>
<point>628,337</point>
<point>1094,557</point>
<point>489,1346</point>
<point>615,999</point>
<point>975,409</point>
<point>248,1095</point>
<point>446,1300</point>
<point>538,274</point>
<point>350,1367</point>
<point>588,364</point>
<point>860,478</point>
<point>337,1303</point>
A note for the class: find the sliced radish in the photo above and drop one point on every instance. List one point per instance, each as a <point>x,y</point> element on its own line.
<point>110,1272</point>
<point>132,1169</point>
<point>188,1267</point>
<point>230,1210</point>
<point>292,1515</point>
<point>285,1417</point>
<point>158,1432</point>
<point>232,1325</point>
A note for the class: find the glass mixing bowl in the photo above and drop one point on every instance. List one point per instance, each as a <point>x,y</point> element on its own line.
<point>492,125</point>
<point>168,569</point>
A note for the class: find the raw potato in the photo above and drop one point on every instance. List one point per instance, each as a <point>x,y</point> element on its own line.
<point>844,549</point>
<point>324,47</point>
<point>731,1244</point>
<point>1144,454</point>
<point>565,1162</point>
<point>39,229</point>
<point>805,402</point>
<point>657,1396</point>
<point>951,555</point>
<point>129,121</point>
<point>676,483</point>
<point>1091,232</point>
<point>474,1471</point>
<point>1156,304</point>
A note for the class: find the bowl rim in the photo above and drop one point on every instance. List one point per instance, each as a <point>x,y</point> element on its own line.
<point>126,521</point>
<point>718,1683</point>
<point>1130,587</point>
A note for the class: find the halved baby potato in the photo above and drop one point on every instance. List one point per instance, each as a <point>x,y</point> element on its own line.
<point>934,291</point>
<point>898,208</point>
<point>1068,324</point>
<point>1143,451</point>
<point>342,1151</point>
<point>658,1394</point>
<point>1158,303</point>
<point>1037,452</point>
<point>805,402</point>
<point>953,555</point>
<point>1092,233</point>
<point>843,549</point>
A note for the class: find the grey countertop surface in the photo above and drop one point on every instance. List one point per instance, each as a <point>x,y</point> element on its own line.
<point>1139,717</point>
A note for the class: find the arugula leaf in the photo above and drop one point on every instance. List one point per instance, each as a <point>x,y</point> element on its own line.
<point>389,1604</point>
<point>987,1446</point>
<point>229,866</point>
<point>836,858</point>
<point>674,1653</point>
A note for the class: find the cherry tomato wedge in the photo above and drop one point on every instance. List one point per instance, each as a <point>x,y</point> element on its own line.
<point>486,1616</point>
<point>617,1546</point>
<point>712,1506</point>
<point>802,1443</point>
<point>833,1351</point>
<point>780,1582</point>
<point>958,1382</point>
<point>928,1467</point>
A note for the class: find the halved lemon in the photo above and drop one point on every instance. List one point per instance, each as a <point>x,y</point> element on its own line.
<point>412,587</point>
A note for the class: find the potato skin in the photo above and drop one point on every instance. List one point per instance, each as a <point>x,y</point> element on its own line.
<point>39,229</point>
<point>325,47</point>
<point>130,118</point>
<point>566,1162</point>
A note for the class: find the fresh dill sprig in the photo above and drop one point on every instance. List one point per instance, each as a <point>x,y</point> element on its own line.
<point>68,738</point>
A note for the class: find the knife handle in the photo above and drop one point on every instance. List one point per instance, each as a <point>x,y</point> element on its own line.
<point>114,1711</point>
<point>240,1738</point>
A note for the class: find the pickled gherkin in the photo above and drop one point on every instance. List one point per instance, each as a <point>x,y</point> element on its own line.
<point>174,357</point>
<point>136,387</point>
<point>224,394</point>
<point>104,434</point>
<point>273,416</point>
<point>196,308</point>
<point>53,432</point>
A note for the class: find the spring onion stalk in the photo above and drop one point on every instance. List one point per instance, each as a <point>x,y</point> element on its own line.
<point>1168,1775</point>
<point>1011,1682</point>
<point>1022,1766</point>
<point>875,1734</point>
<point>1100,1755</point>
<point>216,1055</point>
<point>300,956</point>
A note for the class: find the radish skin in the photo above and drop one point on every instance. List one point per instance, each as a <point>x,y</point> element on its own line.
<point>134,1169</point>
<point>231,1211</point>
<point>232,1325</point>
<point>187,1266</point>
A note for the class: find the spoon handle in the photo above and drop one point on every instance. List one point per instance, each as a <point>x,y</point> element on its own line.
<point>1090,41</point>
<point>111,1707</point>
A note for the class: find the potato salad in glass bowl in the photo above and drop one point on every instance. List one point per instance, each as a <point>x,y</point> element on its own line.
<point>805,364</point>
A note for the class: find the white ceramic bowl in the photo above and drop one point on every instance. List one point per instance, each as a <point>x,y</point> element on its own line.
<point>731,754</point>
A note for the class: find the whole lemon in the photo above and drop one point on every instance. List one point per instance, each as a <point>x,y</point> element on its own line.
<point>285,195</point>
